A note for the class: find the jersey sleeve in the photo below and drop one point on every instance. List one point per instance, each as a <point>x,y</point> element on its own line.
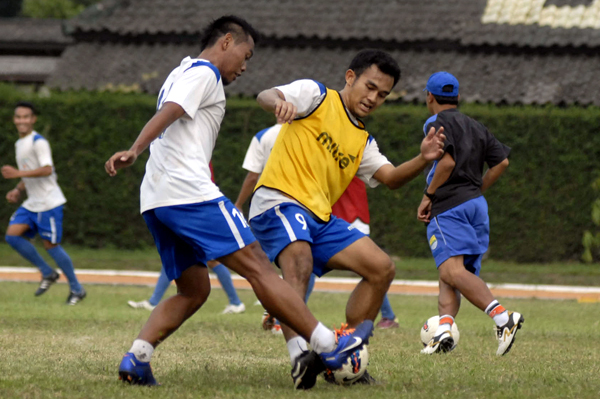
<point>41,147</point>
<point>255,159</point>
<point>496,152</point>
<point>449,142</point>
<point>192,88</point>
<point>371,161</point>
<point>305,94</point>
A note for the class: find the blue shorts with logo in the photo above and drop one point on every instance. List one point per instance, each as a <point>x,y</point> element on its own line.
<point>283,224</point>
<point>462,230</point>
<point>191,234</point>
<point>47,224</point>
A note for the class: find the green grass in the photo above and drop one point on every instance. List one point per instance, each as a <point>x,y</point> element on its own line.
<point>407,268</point>
<point>49,350</point>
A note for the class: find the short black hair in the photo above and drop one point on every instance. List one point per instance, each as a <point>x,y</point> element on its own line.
<point>238,27</point>
<point>446,100</point>
<point>26,104</point>
<point>386,64</point>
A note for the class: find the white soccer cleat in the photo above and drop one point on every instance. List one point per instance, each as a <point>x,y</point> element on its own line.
<point>508,332</point>
<point>141,305</point>
<point>234,309</point>
<point>439,344</point>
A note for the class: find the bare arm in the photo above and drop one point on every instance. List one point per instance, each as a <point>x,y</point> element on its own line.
<point>493,174</point>
<point>273,100</point>
<point>168,114</point>
<point>10,172</point>
<point>246,190</point>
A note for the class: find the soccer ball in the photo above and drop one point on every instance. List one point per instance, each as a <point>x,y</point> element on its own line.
<point>352,370</point>
<point>431,325</point>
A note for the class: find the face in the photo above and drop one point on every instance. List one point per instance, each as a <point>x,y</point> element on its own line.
<point>368,91</point>
<point>24,120</point>
<point>235,58</point>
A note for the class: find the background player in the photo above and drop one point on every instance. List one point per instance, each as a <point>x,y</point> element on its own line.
<point>457,213</point>
<point>42,211</point>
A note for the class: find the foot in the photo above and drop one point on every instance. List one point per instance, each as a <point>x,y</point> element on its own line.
<point>46,283</point>
<point>234,309</point>
<point>141,305</point>
<point>76,297</point>
<point>508,332</point>
<point>348,340</point>
<point>277,329</point>
<point>268,321</point>
<point>387,323</point>
<point>306,369</point>
<point>135,372</point>
<point>439,344</point>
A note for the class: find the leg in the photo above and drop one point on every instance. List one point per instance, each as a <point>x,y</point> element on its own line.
<point>227,284</point>
<point>448,300</point>
<point>26,249</point>
<point>454,274</point>
<point>311,286</point>
<point>388,318</point>
<point>162,285</point>
<point>63,261</point>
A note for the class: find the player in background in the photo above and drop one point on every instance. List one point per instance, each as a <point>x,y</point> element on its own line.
<point>42,211</point>
<point>319,150</point>
<point>353,207</point>
<point>456,213</point>
<point>190,219</point>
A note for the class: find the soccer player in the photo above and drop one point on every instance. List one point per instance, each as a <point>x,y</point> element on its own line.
<point>352,207</point>
<point>319,150</point>
<point>456,213</point>
<point>42,211</point>
<point>192,222</point>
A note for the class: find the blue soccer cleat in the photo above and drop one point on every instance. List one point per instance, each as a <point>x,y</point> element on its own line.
<point>348,340</point>
<point>135,372</point>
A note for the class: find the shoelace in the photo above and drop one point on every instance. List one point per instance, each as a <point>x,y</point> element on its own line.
<point>342,331</point>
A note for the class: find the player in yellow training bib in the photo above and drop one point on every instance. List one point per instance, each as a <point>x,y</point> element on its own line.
<point>321,147</point>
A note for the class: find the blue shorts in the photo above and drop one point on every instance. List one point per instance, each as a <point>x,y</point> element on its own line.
<point>462,230</point>
<point>47,224</point>
<point>191,234</point>
<point>283,224</point>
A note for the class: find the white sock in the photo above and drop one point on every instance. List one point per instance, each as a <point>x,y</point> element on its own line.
<point>501,319</point>
<point>296,346</point>
<point>445,326</point>
<point>142,350</point>
<point>322,339</point>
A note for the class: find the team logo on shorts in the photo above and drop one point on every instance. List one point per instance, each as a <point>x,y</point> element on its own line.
<point>433,243</point>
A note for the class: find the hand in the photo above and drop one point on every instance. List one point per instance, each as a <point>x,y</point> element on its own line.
<point>432,146</point>
<point>10,172</point>
<point>13,196</point>
<point>424,211</point>
<point>120,160</point>
<point>285,111</point>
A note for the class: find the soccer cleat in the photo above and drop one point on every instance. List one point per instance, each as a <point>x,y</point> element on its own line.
<point>508,332</point>
<point>234,309</point>
<point>46,283</point>
<point>135,372</point>
<point>348,340</point>
<point>268,321</point>
<point>277,329</point>
<point>307,368</point>
<point>439,344</point>
<point>366,379</point>
<point>141,305</point>
<point>385,323</point>
<point>74,297</point>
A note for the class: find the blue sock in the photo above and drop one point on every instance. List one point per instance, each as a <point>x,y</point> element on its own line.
<point>225,279</point>
<point>386,309</point>
<point>63,261</point>
<point>161,287</point>
<point>311,285</point>
<point>28,251</point>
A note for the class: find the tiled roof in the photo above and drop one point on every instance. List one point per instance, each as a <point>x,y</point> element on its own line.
<point>493,76</point>
<point>30,31</point>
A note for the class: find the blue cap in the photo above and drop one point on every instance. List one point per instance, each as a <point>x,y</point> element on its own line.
<point>439,80</point>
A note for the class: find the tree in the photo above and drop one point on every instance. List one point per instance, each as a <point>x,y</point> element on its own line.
<point>10,8</point>
<point>61,9</point>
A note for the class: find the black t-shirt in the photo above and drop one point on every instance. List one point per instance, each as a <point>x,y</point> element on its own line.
<point>470,144</point>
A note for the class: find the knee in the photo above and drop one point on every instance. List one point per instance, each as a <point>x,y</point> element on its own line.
<point>11,240</point>
<point>448,274</point>
<point>386,271</point>
<point>198,298</point>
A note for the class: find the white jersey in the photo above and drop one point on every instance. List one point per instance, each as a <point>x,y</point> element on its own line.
<point>260,147</point>
<point>43,193</point>
<point>178,169</point>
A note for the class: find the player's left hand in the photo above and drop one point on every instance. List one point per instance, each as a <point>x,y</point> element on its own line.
<point>10,172</point>
<point>432,146</point>
<point>120,160</point>
<point>424,211</point>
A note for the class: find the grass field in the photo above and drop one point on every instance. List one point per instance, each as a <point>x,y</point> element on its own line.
<point>49,350</point>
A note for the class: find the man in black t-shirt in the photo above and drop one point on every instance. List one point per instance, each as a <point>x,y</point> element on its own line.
<point>456,212</point>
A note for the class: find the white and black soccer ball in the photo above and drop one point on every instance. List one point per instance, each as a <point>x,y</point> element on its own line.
<point>431,325</point>
<point>352,370</point>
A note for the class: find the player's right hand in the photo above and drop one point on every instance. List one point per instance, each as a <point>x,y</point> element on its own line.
<point>13,196</point>
<point>120,160</point>
<point>285,111</point>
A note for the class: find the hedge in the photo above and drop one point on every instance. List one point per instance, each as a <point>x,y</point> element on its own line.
<point>539,209</point>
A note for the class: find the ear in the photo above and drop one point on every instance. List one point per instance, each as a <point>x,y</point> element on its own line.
<point>350,77</point>
<point>227,41</point>
<point>430,98</point>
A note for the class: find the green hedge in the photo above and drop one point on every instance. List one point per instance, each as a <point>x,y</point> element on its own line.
<point>539,208</point>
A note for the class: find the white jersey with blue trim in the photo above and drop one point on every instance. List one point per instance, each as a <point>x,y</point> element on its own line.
<point>178,171</point>
<point>43,193</point>
<point>260,147</point>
